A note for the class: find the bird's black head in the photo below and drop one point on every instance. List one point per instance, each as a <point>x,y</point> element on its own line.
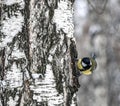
<point>86,63</point>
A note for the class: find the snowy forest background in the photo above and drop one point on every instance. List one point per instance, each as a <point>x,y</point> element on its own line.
<point>35,58</point>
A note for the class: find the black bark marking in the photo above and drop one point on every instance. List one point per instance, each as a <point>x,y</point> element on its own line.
<point>75,71</point>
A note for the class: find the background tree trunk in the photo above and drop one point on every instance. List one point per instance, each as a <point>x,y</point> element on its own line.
<point>34,53</point>
<point>97,30</point>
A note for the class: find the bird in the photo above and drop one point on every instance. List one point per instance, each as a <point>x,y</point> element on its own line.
<point>86,65</point>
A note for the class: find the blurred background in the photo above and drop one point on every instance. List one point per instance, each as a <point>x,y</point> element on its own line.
<point>97,29</point>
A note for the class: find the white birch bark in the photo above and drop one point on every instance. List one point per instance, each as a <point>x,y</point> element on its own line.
<point>34,44</point>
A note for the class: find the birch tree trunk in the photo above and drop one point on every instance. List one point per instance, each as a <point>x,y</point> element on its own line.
<point>35,59</point>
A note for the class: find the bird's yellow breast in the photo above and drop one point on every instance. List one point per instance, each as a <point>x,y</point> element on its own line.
<point>79,64</point>
<point>87,72</point>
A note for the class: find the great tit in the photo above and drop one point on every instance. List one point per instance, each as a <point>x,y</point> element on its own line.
<point>86,65</point>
